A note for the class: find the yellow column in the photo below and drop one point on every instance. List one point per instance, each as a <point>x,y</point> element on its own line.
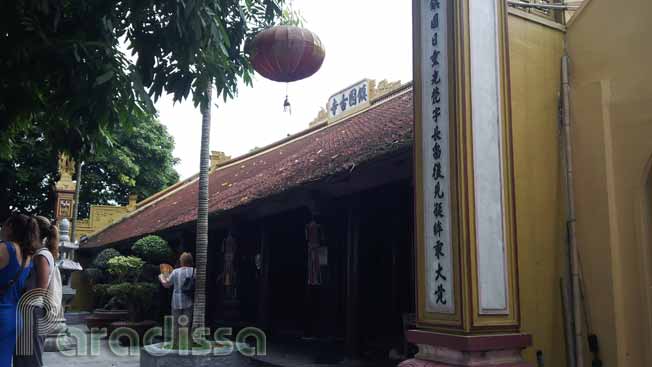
<point>467,291</point>
<point>65,188</point>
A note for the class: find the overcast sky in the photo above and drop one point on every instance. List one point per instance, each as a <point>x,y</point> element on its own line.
<point>363,39</point>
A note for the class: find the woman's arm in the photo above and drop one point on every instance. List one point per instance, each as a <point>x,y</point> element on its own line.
<point>166,282</point>
<point>42,272</point>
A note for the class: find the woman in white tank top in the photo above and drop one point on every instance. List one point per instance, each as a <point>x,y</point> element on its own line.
<point>40,277</point>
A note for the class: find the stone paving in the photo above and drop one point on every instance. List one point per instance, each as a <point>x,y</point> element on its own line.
<point>101,357</point>
<point>277,356</point>
<point>105,358</point>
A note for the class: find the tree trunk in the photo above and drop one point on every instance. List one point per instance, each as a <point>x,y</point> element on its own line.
<point>201,245</point>
<point>352,281</point>
<point>4,193</point>
<point>75,208</point>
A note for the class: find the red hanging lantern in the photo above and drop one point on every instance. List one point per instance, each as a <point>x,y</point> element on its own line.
<point>287,53</point>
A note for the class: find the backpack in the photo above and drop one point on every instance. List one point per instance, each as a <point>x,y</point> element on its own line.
<point>188,286</point>
<point>53,305</point>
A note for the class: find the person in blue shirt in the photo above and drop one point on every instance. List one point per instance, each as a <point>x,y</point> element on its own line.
<point>20,239</point>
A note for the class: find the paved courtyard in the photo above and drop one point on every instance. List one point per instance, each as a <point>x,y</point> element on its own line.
<point>304,354</point>
<point>105,359</point>
<point>100,357</point>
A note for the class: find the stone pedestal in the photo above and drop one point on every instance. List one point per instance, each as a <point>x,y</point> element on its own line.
<point>59,339</point>
<point>77,317</point>
<point>448,350</point>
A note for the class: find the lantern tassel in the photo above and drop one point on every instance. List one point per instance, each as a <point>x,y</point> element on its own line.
<point>286,105</point>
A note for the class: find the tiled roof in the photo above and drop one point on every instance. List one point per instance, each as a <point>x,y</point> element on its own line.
<point>383,128</point>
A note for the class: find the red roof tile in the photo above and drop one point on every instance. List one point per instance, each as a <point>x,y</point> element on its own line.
<point>383,128</point>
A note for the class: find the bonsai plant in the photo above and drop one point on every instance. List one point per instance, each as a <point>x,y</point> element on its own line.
<point>111,267</point>
<point>153,249</point>
<point>95,275</point>
<point>140,299</point>
<point>102,259</point>
<point>125,268</point>
<point>101,295</point>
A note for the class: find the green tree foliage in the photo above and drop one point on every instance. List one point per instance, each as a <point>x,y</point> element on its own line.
<point>125,268</point>
<point>95,275</point>
<point>63,62</point>
<point>140,161</point>
<point>101,295</point>
<point>102,259</point>
<point>149,273</point>
<point>26,181</point>
<point>152,249</point>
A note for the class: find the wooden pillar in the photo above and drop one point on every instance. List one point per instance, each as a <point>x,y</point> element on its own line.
<point>352,279</point>
<point>395,251</point>
<point>467,290</point>
<point>263,281</point>
<point>331,294</point>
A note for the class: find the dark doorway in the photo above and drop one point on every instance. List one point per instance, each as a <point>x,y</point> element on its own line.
<point>287,274</point>
<point>385,290</point>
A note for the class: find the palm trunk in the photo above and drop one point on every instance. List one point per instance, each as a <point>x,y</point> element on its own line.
<point>75,207</point>
<point>201,246</point>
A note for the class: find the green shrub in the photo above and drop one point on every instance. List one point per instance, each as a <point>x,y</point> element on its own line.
<point>153,249</point>
<point>102,259</point>
<point>125,267</point>
<point>140,298</point>
<point>95,275</point>
<point>149,273</point>
<point>121,291</point>
<point>101,295</point>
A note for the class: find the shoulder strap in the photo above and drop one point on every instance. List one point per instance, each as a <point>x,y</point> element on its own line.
<point>11,283</point>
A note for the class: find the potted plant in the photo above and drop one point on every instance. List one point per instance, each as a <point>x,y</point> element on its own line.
<point>125,268</point>
<point>107,309</point>
<point>101,261</point>
<point>140,299</point>
<point>153,249</point>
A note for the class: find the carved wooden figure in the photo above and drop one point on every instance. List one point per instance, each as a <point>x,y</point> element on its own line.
<point>228,277</point>
<point>314,236</point>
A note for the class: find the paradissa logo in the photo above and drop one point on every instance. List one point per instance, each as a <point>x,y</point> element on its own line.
<point>38,315</point>
<point>125,341</point>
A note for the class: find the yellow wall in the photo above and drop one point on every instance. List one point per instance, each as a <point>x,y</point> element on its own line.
<point>611,80</point>
<point>83,300</point>
<point>535,60</point>
<point>102,216</point>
